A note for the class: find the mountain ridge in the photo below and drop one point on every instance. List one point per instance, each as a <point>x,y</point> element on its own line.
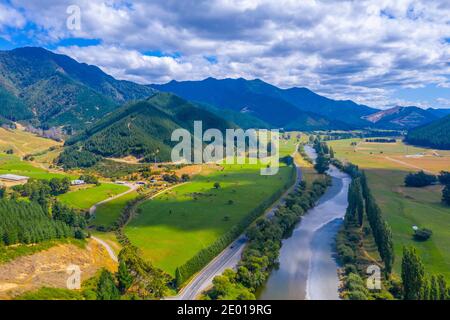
<point>142,129</point>
<point>295,102</point>
<point>40,85</point>
<point>433,135</point>
<point>401,117</point>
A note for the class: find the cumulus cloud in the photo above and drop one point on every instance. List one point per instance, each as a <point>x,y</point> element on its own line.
<point>361,50</point>
<point>10,18</point>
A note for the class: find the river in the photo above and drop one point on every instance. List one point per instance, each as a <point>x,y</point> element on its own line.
<point>307,264</point>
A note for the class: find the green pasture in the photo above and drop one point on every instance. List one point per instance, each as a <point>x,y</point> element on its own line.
<point>11,164</point>
<point>173,227</point>
<point>108,213</point>
<point>404,207</point>
<point>85,198</point>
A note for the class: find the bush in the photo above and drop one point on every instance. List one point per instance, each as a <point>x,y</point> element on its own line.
<point>444,177</point>
<point>446,195</point>
<point>357,295</point>
<point>171,178</point>
<point>420,179</point>
<point>346,254</point>
<point>422,234</point>
<point>350,268</point>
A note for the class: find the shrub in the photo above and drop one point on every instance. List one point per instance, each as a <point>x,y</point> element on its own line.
<point>357,295</point>
<point>444,177</point>
<point>422,234</point>
<point>446,195</point>
<point>420,179</point>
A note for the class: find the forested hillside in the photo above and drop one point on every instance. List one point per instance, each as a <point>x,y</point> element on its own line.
<point>402,118</point>
<point>249,98</point>
<point>295,108</point>
<point>141,129</point>
<point>433,135</point>
<point>23,222</point>
<point>55,90</point>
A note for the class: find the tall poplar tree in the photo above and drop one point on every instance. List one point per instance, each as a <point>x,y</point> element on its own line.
<point>413,274</point>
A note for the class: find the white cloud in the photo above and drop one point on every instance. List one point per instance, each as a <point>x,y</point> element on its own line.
<point>10,17</point>
<point>347,49</point>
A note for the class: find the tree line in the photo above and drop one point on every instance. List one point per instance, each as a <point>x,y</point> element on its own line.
<point>324,155</point>
<point>363,218</point>
<point>422,179</point>
<point>74,157</point>
<point>260,256</point>
<point>433,135</point>
<point>41,217</point>
<point>136,279</point>
<point>417,283</point>
<point>204,256</point>
<point>381,140</point>
<point>27,223</point>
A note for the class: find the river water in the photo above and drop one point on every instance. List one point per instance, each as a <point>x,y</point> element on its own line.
<point>307,264</point>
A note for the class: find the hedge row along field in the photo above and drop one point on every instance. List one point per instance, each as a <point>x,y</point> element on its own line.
<point>176,226</point>
<point>202,258</point>
<point>386,166</point>
<point>265,239</point>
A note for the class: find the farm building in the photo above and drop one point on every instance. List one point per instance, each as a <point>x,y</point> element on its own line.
<point>12,178</point>
<point>77,182</point>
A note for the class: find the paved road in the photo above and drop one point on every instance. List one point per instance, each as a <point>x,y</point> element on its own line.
<point>229,258</point>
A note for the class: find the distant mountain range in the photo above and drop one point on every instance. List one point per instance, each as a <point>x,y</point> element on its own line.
<point>295,108</point>
<point>401,118</point>
<point>433,135</point>
<point>54,89</point>
<point>115,118</point>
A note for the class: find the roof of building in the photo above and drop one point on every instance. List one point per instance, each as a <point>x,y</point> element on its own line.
<point>13,177</point>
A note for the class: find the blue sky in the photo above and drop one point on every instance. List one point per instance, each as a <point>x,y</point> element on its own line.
<point>381,53</point>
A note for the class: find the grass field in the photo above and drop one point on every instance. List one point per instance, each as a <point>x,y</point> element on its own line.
<point>173,227</point>
<point>108,213</point>
<point>23,142</point>
<point>386,166</point>
<point>85,198</point>
<point>12,164</point>
<point>287,147</point>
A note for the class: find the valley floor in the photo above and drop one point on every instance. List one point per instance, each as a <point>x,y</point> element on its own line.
<point>173,227</point>
<point>386,165</point>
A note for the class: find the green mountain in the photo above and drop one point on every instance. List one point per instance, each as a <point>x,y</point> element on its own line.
<point>53,89</point>
<point>401,118</point>
<point>434,135</point>
<point>295,108</point>
<point>142,129</point>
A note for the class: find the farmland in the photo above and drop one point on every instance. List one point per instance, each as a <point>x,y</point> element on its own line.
<point>23,143</point>
<point>386,165</point>
<point>84,198</point>
<point>12,164</point>
<point>107,213</point>
<point>174,226</point>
